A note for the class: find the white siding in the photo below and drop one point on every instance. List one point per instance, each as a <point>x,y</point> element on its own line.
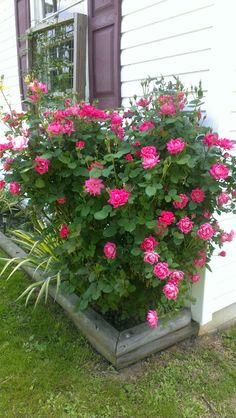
<point>8,53</point>
<point>191,39</point>
<point>165,38</point>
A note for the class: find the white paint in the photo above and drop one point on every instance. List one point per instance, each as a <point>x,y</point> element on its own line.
<point>191,39</point>
<point>8,62</point>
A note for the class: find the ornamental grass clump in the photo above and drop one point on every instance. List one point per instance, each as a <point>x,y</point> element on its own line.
<point>131,197</point>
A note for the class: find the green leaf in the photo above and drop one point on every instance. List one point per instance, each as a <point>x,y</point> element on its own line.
<point>110,230</point>
<point>183,160</point>
<point>95,172</point>
<point>135,173</point>
<point>136,251</point>
<point>72,165</point>
<point>39,183</point>
<point>103,214</point>
<point>107,171</point>
<point>81,171</point>
<point>64,159</point>
<point>85,211</point>
<point>150,191</point>
<point>151,224</point>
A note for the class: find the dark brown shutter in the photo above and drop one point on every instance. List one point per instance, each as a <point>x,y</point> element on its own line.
<point>22,14</point>
<point>104,51</point>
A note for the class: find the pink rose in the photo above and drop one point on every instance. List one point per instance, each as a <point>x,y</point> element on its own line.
<point>152,318</point>
<point>19,143</point>
<point>118,197</point>
<point>80,144</point>
<point>197,195</point>
<point>223,198</point>
<point>148,152</point>
<point>95,164</point>
<point>234,193</point>
<point>200,261</point>
<point>7,164</point>
<point>210,140</point>
<point>161,270</point>
<point>15,188</point>
<point>171,291</point>
<point>166,218</point>
<point>94,186</point>
<point>222,253</point>
<point>227,237</point>
<point>55,128</point>
<point>182,203</point>
<point>68,127</point>
<point>110,250</point>
<point>151,257</point>
<point>225,143</point>
<point>176,275</point>
<point>150,162</point>
<point>185,225</point>
<point>2,184</point>
<point>149,243</point>
<point>174,146</point>
<point>206,231</point>
<point>64,231</point>
<point>42,165</point>
<point>167,109</point>
<point>61,200</point>
<point>143,102</point>
<point>145,126</point>
<point>67,102</point>
<point>195,278</point>
<point>116,119</point>
<point>207,214</point>
<point>120,133</point>
<point>129,157</point>
<point>219,171</point>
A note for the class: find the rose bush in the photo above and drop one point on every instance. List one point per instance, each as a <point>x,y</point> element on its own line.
<point>130,196</point>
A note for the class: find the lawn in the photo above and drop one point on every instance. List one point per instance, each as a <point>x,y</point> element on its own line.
<point>47,369</point>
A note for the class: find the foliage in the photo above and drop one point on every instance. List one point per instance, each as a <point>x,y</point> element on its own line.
<point>130,197</point>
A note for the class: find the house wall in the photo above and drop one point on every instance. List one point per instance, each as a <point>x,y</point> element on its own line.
<point>8,54</point>
<point>189,39</point>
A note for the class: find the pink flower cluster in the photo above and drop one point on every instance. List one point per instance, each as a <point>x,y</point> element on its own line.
<point>206,231</point>
<point>94,186</point>
<point>227,236</point>
<point>110,250</point>
<point>166,218</point>
<point>175,146</point>
<point>42,165</point>
<point>182,203</point>
<point>197,195</point>
<point>219,171</point>
<point>212,140</point>
<point>152,318</point>
<point>149,156</point>
<point>146,126</point>
<point>118,197</point>
<point>185,225</point>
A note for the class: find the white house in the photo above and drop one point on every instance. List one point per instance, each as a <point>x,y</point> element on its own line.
<point>128,41</point>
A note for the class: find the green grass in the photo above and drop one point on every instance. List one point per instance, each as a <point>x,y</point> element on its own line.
<point>47,369</point>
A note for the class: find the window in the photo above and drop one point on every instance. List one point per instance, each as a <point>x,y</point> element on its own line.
<point>56,52</point>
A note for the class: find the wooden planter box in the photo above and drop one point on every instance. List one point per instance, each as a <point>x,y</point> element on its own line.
<point>119,348</point>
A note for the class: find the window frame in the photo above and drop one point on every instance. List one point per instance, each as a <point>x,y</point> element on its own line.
<point>79,53</point>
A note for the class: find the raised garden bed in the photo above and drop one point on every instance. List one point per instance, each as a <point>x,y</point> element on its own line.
<point>119,348</point>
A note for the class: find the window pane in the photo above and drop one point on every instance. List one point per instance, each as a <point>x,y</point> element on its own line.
<point>52,56</point>
<point>49,7</point>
